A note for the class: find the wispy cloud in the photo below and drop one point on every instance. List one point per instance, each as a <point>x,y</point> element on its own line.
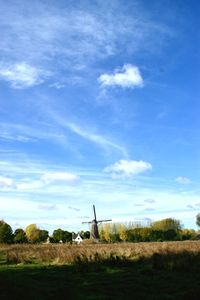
<point>47,206</point>
<point>87,133</point>
<point>74,208</point>
<point>96,138</point>
<point>59,177</point>
<point>127,77</point>
<point>29,185</point>
<point>127,168</point>
<point>190,206</point>
<point>150,201</point>
<point>5,182</point>
<point>29,133</point>
<point>183,180</point>
<point>60,39</point>
<point>149,209</point>
<point>22,75</point>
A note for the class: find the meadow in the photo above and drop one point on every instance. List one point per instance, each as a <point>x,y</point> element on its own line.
<point>161,270</point>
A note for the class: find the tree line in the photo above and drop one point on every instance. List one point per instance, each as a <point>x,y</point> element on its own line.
<point>163,230</point>
<point>32,234</point>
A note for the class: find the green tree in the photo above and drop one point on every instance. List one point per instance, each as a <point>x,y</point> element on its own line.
<point>62,235</point>
<point>20,236</point>
<point>187,234</point>
<point>42,235</point>
<point>6,235</point>
<point>198,219</point>
<point>85,234</point>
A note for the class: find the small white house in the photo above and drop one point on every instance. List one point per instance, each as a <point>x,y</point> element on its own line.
<point>77,238</point>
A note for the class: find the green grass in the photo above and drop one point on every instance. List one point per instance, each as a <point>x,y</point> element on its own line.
<point>160,277</point>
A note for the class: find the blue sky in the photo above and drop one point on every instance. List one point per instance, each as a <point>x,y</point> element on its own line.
<point>99,105</point>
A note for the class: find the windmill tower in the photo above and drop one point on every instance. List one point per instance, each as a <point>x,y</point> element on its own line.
<point>94,232</point>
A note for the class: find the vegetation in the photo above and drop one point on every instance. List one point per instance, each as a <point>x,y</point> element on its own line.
<point>5,232</point>
<point>20,236</point>
<point>198,220</point>
<point>92,252</point>
<point>62,235</point>
<point>154,271</point>
<point>163,230</point>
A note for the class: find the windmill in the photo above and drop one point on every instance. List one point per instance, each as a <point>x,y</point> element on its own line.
<point>94,232</point>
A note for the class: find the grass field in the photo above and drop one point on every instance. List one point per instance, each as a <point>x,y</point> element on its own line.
<point>112,271</point>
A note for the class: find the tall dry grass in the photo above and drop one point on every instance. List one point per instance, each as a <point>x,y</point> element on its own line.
<point>69,254</point>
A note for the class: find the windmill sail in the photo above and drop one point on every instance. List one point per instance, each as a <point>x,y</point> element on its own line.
<point>94,231</point>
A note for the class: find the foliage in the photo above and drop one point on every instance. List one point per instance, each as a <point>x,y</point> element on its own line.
<point>122,233</point>
<point>42,235</point>
<point>5,233</point>
<point>102,233</point>
<point>62,235</point>
<point>20,236</point>
<point>198,220</point>
<point>163,230</point>
<point>166,224</point>
<point>85,234</point>
<point>187,234</point>
<point>32,233</point>
<point>36,235</point>
<point>107,232</point>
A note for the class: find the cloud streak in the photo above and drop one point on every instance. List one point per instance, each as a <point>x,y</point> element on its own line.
<point>59,177</point>
<point>183,180</point>
<point>97,139</point>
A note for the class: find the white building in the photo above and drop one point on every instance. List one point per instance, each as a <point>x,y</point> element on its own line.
<point>77,238</point>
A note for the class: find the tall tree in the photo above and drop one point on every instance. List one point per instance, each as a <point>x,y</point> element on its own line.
<point>198,219</point>
<point>5,232</point>
<point>122,233</point>
<point>32,233</point>
<point>20,236</point>
<point>62,235</point>
<point>167,224</point>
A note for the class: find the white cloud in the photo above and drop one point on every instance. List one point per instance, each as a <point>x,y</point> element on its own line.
<point>22,75</point>
<point>127,77</point>
<point>183,180</point>
<point>5,182</point>
<point>60,177</point>
<point>127,168</point>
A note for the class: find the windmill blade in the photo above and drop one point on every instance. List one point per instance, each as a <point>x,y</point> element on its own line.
<point>86,222</point>
<point>100,221</point>
<point>94,213</point>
